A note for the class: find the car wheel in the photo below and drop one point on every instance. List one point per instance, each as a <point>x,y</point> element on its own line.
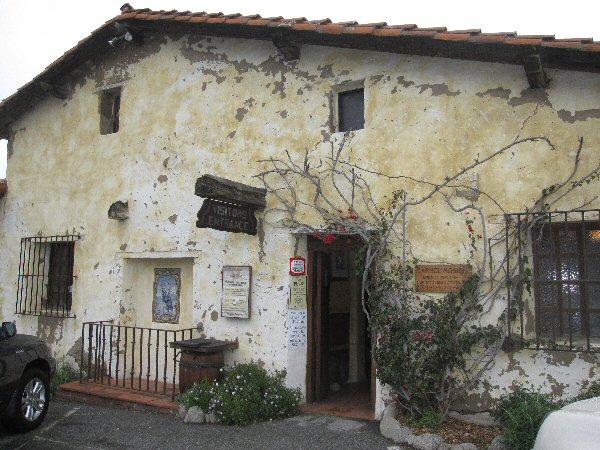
<point>30,401</point>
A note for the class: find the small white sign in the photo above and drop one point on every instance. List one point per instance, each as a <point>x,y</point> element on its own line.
<point>236,291</point>
<point>297,321</point>
<point>297,293</point>
<point>297,266</point>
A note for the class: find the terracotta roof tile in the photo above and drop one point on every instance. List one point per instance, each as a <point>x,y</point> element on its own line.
<point>263,22</point>
<point>562,44</point>
<point>523,41</point>
<point>198,19</point>
<point>387,32</point>
<point>222,18</point>
<point>280,24</point>
<point>593,47</point>
<point>331,29</point>
<point>488,38</point>
<point>215,19</point>
<point>240,20</point>
<point>295,20</point>
<point>359,30</point>
<point>126,16</point>
<point>452,36</point>
<point>418,32</point>
<point>582,40</point>
<point>154,16</point>
<point>305,26</point>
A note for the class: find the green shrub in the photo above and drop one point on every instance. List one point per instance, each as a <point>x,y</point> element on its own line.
<point>64,374</point>
<point>200,394</point>
<point>238,399</point>
<point>522,413</point>
<point>279,400</point>
<point>247,394</point>
<point>429,419</point>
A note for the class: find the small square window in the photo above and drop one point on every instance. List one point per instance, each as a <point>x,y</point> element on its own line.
<point>110,105</point>
<point>351,110</point>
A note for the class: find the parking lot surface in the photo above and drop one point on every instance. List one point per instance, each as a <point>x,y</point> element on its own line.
<point>82,426</point>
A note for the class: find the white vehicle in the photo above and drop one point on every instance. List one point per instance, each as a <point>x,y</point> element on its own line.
<point>575,426</point>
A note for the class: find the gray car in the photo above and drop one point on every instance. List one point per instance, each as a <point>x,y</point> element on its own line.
<point>26,369</point>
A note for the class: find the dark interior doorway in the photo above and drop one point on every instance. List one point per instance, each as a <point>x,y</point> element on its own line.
<point>339,366</point>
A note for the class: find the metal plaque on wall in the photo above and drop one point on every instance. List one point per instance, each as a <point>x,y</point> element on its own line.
<point>439,278</point>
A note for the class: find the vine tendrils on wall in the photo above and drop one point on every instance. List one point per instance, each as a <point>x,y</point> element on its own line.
<point>429,350</point>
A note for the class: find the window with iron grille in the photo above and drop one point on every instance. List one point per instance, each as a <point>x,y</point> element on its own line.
<point>45,280</point>
<point>565,278</point>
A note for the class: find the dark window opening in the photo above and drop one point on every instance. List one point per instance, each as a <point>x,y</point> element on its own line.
<point>351,110</point>
<point>45,280</point>
<point>110,105</point>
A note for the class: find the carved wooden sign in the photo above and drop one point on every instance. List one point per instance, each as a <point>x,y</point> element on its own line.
<point>226,217</point>
<point>229,206</point>
<point>441,278</point>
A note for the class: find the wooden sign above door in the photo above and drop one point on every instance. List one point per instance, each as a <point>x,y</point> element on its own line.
<point>228,205</point>
<point>226,217</point>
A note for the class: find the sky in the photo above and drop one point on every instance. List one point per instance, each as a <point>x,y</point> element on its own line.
<point>37,32</point>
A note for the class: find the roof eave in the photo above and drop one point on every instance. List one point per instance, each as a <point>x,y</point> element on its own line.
<point>466,45</point>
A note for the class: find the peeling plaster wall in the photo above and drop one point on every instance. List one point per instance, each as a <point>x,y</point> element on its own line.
<point>193,105</point>
<point>560,373</point>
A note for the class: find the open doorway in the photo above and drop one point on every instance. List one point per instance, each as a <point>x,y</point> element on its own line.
<point>339,365</point>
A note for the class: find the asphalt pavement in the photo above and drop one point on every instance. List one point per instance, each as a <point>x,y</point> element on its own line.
<point>81,426</point>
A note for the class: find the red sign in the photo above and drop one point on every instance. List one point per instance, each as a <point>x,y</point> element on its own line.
<point>297,266</point>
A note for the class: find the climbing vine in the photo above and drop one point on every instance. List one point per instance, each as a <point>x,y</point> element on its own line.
<point>429,349</point>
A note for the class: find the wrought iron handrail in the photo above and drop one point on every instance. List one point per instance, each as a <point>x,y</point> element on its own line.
<point>130,356</point>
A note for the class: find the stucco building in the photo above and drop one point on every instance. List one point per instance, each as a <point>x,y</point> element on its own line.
<point>99,218</point>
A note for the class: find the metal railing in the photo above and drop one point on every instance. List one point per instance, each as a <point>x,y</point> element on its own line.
<point>131,357</point>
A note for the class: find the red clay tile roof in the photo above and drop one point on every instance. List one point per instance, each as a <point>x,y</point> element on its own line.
<point>3,187</point>
<point>574,54</point>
